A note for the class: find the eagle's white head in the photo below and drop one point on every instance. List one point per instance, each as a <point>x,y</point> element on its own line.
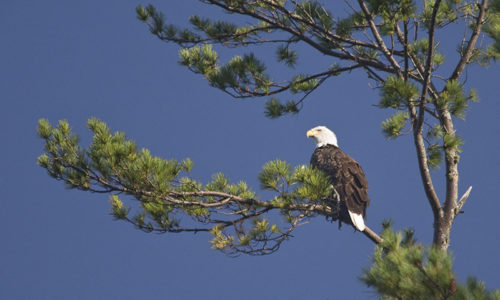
<point>323,136</point>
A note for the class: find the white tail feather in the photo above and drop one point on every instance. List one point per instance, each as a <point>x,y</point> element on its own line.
<point>357,221</point>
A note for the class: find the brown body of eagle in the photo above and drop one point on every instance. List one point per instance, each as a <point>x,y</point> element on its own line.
<point>348,179</point>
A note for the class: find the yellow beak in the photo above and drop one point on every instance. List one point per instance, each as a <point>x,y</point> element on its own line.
<point>310,133</point>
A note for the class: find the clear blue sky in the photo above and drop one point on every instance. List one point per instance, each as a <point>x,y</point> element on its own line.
<point>77,59</point>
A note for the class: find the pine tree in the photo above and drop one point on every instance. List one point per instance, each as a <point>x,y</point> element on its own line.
<point>393,42</point>
<point>405,269</point>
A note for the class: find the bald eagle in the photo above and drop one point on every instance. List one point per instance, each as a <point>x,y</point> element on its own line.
<point>346,176</point>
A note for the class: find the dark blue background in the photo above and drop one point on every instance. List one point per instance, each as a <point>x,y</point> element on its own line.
<point>74,60</point>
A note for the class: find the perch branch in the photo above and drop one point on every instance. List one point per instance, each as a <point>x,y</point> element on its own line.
<point>372,235</point>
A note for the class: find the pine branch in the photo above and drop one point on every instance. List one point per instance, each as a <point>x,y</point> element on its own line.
<point>335,38</point>
<point>242,92</point>
<point>345,56</point>
<point>405,47</point>
<point>428,68</point>
<point>418,122</point>
<point>378,38</point>
<point>418,117</point>
<point>472,42</point>
<point>230,212</point>
<point>425,174</point>
<point>414,60</point>
<point>430,282</point>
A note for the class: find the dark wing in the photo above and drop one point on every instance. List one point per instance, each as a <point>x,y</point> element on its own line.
<point>346,175</point>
